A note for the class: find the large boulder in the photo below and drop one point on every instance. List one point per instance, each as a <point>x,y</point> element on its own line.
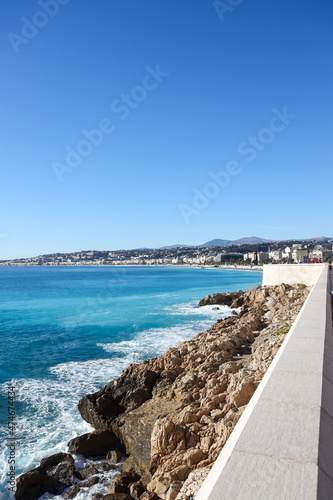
<point>32,485</point>
<point>231,299</point>
<point>126,392</point>
<point>122,482</point>
<point>54,474</point>
<point>94,444</point>
<point>135,430</point>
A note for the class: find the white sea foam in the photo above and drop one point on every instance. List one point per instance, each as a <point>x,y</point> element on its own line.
<point>105,479</point>
<point>52,408</point>
<point>210,311</point>
<point>155,341</point>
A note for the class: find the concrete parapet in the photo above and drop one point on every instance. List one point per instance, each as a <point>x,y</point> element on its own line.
<point>275,274</point>
<point>282,446</point>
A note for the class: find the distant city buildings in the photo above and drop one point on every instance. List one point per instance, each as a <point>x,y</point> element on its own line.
<point>298,253</point>
<point>257,257</point>
<point>289,252</point>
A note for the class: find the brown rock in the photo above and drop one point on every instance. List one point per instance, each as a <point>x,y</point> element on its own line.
<point>136,489</point>
<point>135,430</point>
<point>159,485</point>
<point>114,456</point>
<point>174,489</point>
<point>94,469</point>
<point>54,474</point>
<point>56,459</point>
<point>32,485</point>
<point>118,488</point>
<point>128,391</point>
<point>94,444</point>
<point>122,482</point>
<point>148,495</point>
<point>244,393</point>
<point>165,437</point>
<point>228,299</point>
<point>74,490</point>
<point>116,496</point>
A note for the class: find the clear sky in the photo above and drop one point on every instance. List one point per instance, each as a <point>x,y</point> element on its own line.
<point>131,124</point>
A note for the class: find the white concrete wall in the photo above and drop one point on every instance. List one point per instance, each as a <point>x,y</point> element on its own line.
<point>274,274</point>
<point>282,446</point>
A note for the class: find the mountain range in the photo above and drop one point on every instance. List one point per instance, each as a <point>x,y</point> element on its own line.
<point>251,240</point>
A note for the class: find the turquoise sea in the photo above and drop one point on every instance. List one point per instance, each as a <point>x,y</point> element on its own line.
<point>67,331</point>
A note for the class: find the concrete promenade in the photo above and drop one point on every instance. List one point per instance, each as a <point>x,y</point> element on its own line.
<point>282,446</point>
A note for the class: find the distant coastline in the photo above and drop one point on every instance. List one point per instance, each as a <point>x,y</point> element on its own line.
<point>240,256</point>
<point>234,267</point>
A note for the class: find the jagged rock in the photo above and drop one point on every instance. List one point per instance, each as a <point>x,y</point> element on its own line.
<point>56,459</point>
<point>159,486</point>
<point>118,488</point>
<point>128,391</point>
<point>71,492</point>
<point>94,444</point>
<point>135,428</point>
<point>174,490</point>
<point>116,496</point>
<point>114,456</point>
<point>93,469</point>
<point>75,490</point>
<point>122,482</point>
<point>192,484</point>
<point>54,474</point>
<point>148,495</point>
<point>136,490</point>
<point>231,299</point>
<point>165,437</point>
<point>32,485</point>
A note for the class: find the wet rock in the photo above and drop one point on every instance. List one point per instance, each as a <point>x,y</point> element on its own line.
<point>128,391</point>
<point>75,490</point>
<point>71,492</point>
<point>122,482</point>
<point>94,444</point>
<point>231,299</point>
<point>117,496</point>
<point>56,459</point>
<point>114,456</point>
<point>32,485</point>
<point>93,470</point>
<point>54,474</point>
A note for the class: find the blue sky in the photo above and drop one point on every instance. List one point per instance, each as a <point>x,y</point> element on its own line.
<point>213,122</point>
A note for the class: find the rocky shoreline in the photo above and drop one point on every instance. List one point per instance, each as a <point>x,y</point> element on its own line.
<point>170,416</point>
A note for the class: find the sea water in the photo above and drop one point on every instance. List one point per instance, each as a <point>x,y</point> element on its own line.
<point>67,331</point>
